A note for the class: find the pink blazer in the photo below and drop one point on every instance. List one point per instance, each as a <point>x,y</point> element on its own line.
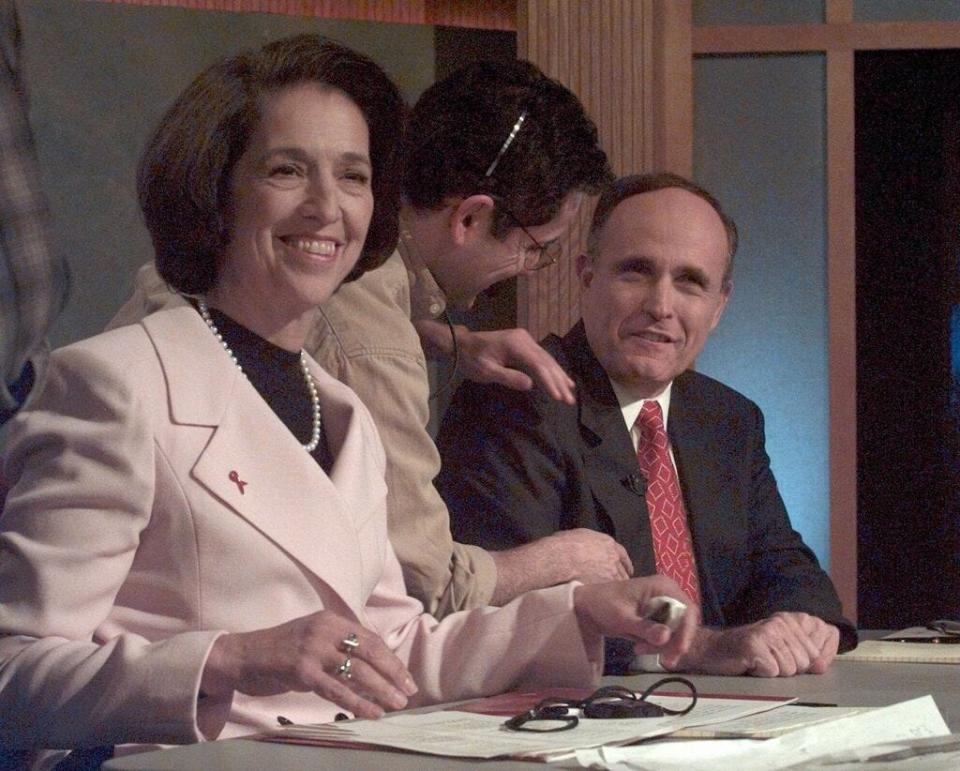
<point>127,546</point>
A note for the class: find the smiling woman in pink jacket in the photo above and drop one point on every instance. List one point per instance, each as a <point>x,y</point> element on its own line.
<point>195,542</point>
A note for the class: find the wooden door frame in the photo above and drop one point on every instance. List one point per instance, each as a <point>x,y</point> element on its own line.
<point>629,62</point>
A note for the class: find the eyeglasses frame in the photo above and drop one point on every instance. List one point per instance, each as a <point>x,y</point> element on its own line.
<point>547,254</point>
<point>598,706</point>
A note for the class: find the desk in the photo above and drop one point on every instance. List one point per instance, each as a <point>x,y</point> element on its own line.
<point>848,683</point>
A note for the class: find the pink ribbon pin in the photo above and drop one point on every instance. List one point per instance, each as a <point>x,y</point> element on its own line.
<point>235,478</point>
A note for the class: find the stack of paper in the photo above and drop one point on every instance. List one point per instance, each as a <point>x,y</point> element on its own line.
<point>906,722</point>
<point>767,725</point>
<point>890,649</point>
<point>472,735</point>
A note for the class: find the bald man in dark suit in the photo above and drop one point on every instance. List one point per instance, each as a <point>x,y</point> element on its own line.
<point>518,467</point>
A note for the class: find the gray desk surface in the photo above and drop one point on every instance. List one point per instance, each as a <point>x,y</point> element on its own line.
<point>848,683</point>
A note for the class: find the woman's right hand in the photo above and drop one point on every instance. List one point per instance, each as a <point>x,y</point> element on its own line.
<point>303,655</point>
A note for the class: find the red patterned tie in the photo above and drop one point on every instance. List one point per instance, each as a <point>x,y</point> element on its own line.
<point>668,520</point>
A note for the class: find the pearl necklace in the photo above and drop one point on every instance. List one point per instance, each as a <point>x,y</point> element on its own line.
<point>311,385</point>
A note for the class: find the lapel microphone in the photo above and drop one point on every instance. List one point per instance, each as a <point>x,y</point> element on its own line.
<point>636,484</point>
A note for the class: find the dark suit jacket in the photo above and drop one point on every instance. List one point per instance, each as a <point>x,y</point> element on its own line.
<point>518,466</point>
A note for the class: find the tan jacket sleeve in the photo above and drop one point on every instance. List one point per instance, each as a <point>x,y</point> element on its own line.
<point>365,339</point>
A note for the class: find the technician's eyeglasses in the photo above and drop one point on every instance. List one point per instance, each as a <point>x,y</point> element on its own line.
<point>536,255</point>
<point>609,702</point>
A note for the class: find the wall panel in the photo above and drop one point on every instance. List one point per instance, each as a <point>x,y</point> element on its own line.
<point>99,77</point>
<point>489,14</point>
<point>629,61</point>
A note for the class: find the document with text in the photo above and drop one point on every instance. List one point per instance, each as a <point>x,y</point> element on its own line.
<point>470,735</point>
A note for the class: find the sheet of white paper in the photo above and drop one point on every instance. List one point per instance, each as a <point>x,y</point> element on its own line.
<point>908,720</point>
<point>937,753</point>
<point>466,734</point>
<point>671,755</point>
<point>766,725</point>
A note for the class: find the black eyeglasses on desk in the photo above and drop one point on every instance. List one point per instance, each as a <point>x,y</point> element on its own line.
<point>609,702</point>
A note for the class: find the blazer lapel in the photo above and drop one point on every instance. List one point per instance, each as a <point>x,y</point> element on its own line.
<point>358,468</point>
<point>691,428</point>
<point>253,464</point>
<point>610,463</point>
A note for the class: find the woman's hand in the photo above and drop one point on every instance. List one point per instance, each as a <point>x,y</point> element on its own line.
<point>303,655</point>
<point>615,609</point>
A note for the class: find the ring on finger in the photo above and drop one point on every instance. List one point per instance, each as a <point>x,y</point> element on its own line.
<point>344,670</point>
<point>350,643</point>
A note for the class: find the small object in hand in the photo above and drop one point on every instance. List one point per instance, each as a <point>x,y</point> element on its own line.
<point>664,610</point>
<point>344,669</point>
<point>350,643</point>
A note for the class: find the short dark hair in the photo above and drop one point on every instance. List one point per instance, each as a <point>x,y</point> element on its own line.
<point>637,184</point>
<point>184,177</point>
<point>459,125</point>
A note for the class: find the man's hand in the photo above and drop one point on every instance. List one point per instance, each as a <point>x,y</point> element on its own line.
<point>616,610</point>
<point>585,555</point>
<point>509,357</point>
<point>303,655</point>
<point>512,358</point>
<point>581,554</point>
<point>783,645</point>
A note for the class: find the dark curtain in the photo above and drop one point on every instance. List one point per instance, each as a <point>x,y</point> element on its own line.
<point>908,290</point>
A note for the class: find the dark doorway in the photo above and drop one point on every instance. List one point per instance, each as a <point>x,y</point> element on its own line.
<point>495,308</point>
<point>908,300</point>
